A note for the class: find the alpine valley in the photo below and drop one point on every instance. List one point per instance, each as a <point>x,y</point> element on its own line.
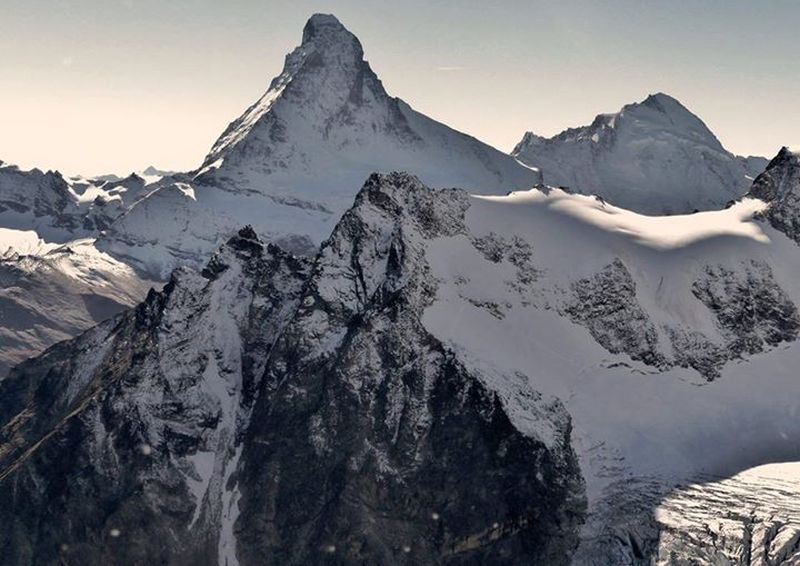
<point>354,335</point>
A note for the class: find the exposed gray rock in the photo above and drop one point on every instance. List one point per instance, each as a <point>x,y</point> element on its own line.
<point>286,412</point>
<point>607,305</point>
<point>779,186</point>
<point>752,311</point>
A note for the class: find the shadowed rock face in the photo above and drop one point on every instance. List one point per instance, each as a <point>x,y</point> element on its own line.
<point>606,304</point>
<point>407,456</point>
<point>278,410</point>
<point>779,185</point>
<point>751,311</point>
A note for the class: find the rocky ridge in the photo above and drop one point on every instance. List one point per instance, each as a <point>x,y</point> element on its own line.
<point>186,403</point>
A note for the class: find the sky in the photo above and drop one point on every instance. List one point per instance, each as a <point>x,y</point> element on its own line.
<point>101,86</point>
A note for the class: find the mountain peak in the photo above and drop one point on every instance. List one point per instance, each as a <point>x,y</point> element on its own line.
<point>325,32</point>
<point>781,177</point>
<point>294,160</point>
<point>322,23</point>
<point>654,157</point>
<point>666,110</point>
<point>779,185</point>
<point>662,101</point>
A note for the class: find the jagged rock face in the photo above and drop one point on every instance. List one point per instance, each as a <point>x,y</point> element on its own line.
<point>292,163</point>
<point>779,185</point>
<point>404,396</point>
<point>410,454</point>
<point>607,305</point>
<point>148,407</point>
<point>652,157</point>
<point>752,312</point>
<point>32,199</point>
<point>275,411</point>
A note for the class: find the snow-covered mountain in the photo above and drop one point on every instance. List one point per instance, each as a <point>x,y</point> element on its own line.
<point>51,292</point>
<point>653,157</point>
<point>150,174</point>
<point>54,283</point>
<point>60,209</point>
<point>290,165</point>
<point>450,378</point>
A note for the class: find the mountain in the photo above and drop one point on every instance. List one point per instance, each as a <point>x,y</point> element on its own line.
<point>151,174</point>
<point>451,378</point>
<point>779,185</point>
<point>290,164</point>
<point>52,292</point>
<point>653,157</point>
<point>284,410</point>
<point>54,283</point>
<point>59,208</point>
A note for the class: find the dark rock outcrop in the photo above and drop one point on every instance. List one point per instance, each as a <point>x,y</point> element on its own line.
<point>282,411</point>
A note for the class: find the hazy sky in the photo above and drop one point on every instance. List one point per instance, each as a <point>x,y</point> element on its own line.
<point>95,86</point>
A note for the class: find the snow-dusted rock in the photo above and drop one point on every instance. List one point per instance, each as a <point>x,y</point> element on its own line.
<point>419,390</point>
<point>779,186</point>
<point>652,157</point>
<point>286,411</point>
<point>292,163</point>
<point>54,283</point>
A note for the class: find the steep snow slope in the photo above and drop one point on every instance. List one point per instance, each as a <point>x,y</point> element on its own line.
<point>455,347</point>
<point>51,292</point>
<point>291,164</point>
<point>653,157</point>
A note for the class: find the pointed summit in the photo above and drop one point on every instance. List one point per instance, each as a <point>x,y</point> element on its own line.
<point>663,102</point>
<point>329,111</point>
<point>320,76</point>
<point>653,157</point>
<point>780,178</point>
<point>779,185</point>
<point>325,30</point>
<point>294,161</point>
